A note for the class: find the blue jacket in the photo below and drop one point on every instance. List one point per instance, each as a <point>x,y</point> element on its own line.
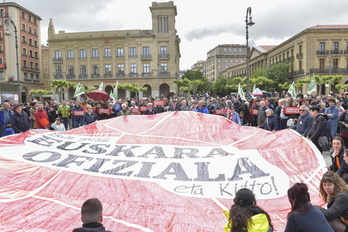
<point>203,110</point>
<point>332,122</point>
<point>89,118</point>
<point>80,108</point>
<point>304,124</point>
<point>235,118</point>
<point>271,123</point>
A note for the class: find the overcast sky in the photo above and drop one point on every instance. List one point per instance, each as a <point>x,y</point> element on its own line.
<point>201,24</point>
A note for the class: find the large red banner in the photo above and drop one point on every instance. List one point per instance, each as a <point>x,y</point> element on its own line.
<point>173,171</point>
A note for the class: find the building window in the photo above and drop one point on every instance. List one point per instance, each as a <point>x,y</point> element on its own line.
<point>29,30</point>
<point>322,46</point>
<point>108,69</point>
<point>133,52</point>
<point>219,60</point>
<point>35,21</point>
<point>335,63</point>
<point>107,52</point>
<point>24,51</point>
<point>164,67</point>
<point>30,41</point>
<point>29,18</point>
<point>35,32</point>
<point>70,70</point>
<point>30,53</point>
<point>24,63</point>
<point>321,63</point>
<point>95,53</point>
<point>83,70</point>
<point>25,76</point>
<point>24,40</point>
<point>120,52</point>
<point>95,69</point>
<point>83,53</point>
<point>146,68</point>
<point>300,48</point>
<point>70,54</point>
<point>58,70</point>
<point>335,46</point>
<point>37,76</point>
<point>36,55</point>
<point>300,64</point>
<point>120,68</point>
<point>35,43</point>
<point>23,14</point>
<point>146,50</point>
<point>163,50</point>
<point>162,24</point>
<point>36,66</point>
<point>133,68</point>
<point>23,27</point>
<point>58,54</point>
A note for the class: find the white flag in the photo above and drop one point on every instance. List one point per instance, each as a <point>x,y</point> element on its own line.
<point>292,90</point>
<point>101,86</point>
<point>114,93</point>
<point>241,93</point>
<point>79,90</point>
<point>312,87</point>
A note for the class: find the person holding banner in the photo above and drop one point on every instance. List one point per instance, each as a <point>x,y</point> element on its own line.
<point>89,116</point>
<point>304,217</point>
<point>245,215</point>
<point>77,115</point>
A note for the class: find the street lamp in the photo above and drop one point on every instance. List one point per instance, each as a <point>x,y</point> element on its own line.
<point>248,23</point>
<point>9,21</point>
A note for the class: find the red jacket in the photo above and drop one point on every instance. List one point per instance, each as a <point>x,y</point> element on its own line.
<point>41,118</point>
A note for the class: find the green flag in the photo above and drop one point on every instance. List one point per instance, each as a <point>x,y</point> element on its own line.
<point>292,90</point>
<point>79,90</point>
<point>312,87</point>
<point>241,93</point>
<point>114,93</point>
<point>101,86</point>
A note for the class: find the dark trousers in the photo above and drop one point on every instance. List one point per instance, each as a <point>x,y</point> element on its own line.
<point>282,124</point>
<point>65,122</point>
<point>2,130</point>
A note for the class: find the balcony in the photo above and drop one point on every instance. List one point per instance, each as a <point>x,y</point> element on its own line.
<point>132,56</point>
<point>120,55</point>
<point>345,52</point>
<point>299,55</point>
<point>58,76</point>
<point>108,75</point>
<point>336,52</point>
<point>298,72</point>
<point>107,57</point>
<point>163,56</point>
<point>146,74</point>
<point>164,74</point>
<point>70,77</point>
<point>57,60</point>
<point>120,75</point>
<point>82,57</point>
<point>83,76</point>
<point>95,76</point>
<point>94,57</point>
<point>333,70</point>
<point>133,74</point>
<point>323,52</point>
<point>146,57</point>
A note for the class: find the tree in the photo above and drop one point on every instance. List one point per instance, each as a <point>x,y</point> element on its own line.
<point>224,86</point>
<point>61,84</point>
<point>131,88</point>
<point>326,79</point>
<point>196,82</point>
<point>40,92</point>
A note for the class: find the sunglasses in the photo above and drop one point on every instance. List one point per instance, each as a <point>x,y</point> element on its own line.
<point>302,110</point>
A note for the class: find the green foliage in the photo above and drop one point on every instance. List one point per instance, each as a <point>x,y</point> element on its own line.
<point>87,90</point>
<point>340,86</point>
<point>224,86</point>
<point>60,84</point>
<point>285,86</point>
<point>40,92</point>
<point>131,88</point>
<point>193,80</point>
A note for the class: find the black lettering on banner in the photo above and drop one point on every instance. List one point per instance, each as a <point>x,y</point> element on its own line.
<point>45,141</point>
<point>145,169</point>
<point>30,156</point>
<point>178,171</point>
<point>158,152</point>
<point>73,159</point>
<point>264,185</point>
<point>223,190</point>
<point>97,165</point>
<point>250,168</point>
<point>203,173</point>
<point>194,189</point>
<point>127,152</point>
<point>179,152</point>
<point>65,146</point>
<point>97,148</point>
<point>115,171</point>
<point>218,152</point>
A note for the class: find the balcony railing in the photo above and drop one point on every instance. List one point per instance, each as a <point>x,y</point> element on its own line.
<point>57,60</point>
<point>108,75</point>
<point>345,52</point>
<point>322,52</point>
<point>164,74</point>
<point>120,75</point>
<point>336,52</point>
<point>146,56</point>
<point>299,55</point>
<point>95,76</point>
<point>298,72</point>
<point>83,76</point>
<point>330,70</point>
<point>133,74</point>
<point>120,55</point>
<point>146,74</point>
<point>163,56</point>
<point>70,76</point>
<point>133,56</point>
<point>58,76</point>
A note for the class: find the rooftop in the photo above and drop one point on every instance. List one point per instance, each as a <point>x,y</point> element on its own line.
<point>328,27</point>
